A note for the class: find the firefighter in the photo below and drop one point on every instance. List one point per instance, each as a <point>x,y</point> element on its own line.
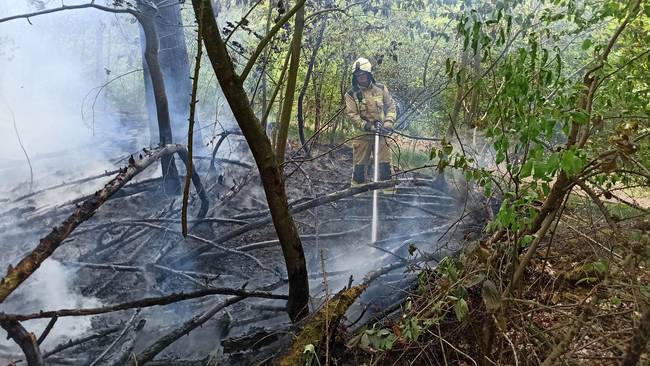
<point>369,106</point>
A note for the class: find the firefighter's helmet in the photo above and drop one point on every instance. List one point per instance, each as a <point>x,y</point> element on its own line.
<point>362,64</point>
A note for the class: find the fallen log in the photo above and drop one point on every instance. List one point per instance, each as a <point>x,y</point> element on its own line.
<point>144,268</point>
<point>253,341</point>
<point>426,257</point>
<point>26,341</point>
<point>201,279</point>
<point>143,303</point>
<point>319,329</point>
<point>264,212</point>
<point>47,245</point>
<point>167,362</point>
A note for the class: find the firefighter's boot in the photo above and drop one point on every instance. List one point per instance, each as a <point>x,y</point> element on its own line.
<point>358,175</point>
<point>384,174</point>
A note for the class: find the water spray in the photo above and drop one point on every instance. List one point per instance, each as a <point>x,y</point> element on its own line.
<point>375,198</point>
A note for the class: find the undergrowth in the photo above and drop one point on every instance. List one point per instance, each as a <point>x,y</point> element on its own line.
<point>579,303</point>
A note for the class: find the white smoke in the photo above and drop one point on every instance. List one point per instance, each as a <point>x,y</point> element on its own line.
<point>48,289</point>
<point>47,66</point>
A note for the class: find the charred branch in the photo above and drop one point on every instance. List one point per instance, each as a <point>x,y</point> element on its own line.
<point>270,243</point>
<point>29,264</point>
<point>26,341</point>
<point>47,330</point>
<point>222,137</point>
<point>196,181</point>
<point>211,243</point>
<point>147,302</point>
<point>76,342</point>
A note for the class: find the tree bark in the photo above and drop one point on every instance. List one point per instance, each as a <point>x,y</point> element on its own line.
<point>266,57</point>
<point>146,18</point>
<point>305,84</point>
<point>267,164</point>
<point>25,340</point>
<point>175,67</point>
<point>290,91</point>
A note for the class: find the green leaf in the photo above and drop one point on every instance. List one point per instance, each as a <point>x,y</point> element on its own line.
<point>586,43</point>
<point>579,117</point>
<point>500,157</point>
<point>526,240</point>
<point>526,169</point>
<point>570,163</point>
<point>461,309</point>
<point>411,328</point>
<point>539,169</point>
<point>600,266</point>
<point>432,153</point>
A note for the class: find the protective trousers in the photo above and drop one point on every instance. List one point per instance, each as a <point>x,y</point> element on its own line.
<point>363,147</point>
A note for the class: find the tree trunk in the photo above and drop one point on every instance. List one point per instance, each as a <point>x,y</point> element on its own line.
<point>175,65</point>
<point>305,84</point>
<point>267,163</point>
<point>146,19</point>
<point>175,68</point>
<point>274,94</point>
<point>343,90</point>
<point>290,91</point>
<point>318,106</point>
<point>266,57</point>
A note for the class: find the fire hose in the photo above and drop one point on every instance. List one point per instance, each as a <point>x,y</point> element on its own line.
<point>375,198</point>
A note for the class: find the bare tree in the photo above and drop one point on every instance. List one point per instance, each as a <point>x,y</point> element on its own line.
<point>268,164</point>
<point>175,67</point>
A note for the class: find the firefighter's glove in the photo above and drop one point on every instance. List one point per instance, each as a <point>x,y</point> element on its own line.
<point>386,129</point>
<point>369,127</point>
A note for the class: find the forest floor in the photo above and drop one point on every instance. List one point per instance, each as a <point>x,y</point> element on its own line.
<point>132,249</point>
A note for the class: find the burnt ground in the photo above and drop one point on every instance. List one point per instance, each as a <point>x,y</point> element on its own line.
<point>135,240</point>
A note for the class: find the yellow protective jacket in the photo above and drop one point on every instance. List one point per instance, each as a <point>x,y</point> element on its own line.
<point>376,104</point>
